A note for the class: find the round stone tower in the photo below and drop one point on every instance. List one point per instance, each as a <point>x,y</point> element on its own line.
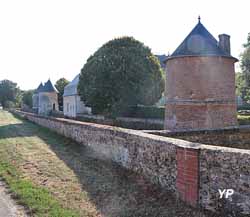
<point>200,84</point>
<point>48,99</point>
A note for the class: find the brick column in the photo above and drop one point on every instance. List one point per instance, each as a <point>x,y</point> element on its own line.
<point>187,182</point>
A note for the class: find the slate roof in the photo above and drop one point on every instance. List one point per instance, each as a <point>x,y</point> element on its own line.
<point>39,89</point>
<point>71,88</point>
<point>199,42</point>
<point>48,87</point>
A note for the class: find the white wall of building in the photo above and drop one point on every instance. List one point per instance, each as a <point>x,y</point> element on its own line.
<point>72,105</point>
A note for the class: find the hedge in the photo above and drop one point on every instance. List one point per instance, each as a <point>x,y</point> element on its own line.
<point>243,107</point>
<point>153,112</point>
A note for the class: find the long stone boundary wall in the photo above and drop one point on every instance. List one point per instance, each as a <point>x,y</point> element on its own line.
<point>194,172</point>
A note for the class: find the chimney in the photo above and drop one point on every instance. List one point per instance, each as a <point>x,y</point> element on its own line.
<point>224,43</point>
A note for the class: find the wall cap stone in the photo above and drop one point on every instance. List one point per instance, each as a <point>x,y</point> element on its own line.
<point>157,135</point>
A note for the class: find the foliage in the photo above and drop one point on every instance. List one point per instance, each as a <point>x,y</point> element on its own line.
<point>10,94</point>
<point>245,68</point>
<point>154,112</point>
<point>27,97</point>
<point>122,72</point>
<point>245,107</point>
<point>247,44</point>
<point>239,82</point>
<point>60,85</point>
<point>244,119</point>
<point>9,104</point>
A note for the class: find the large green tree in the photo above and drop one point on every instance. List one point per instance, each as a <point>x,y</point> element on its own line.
<point>60,85</point>
<point>27,97</point>
<point>10,94</point>
<point>121,73</point>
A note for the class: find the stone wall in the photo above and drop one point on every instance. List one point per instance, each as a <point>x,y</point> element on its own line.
<point>225,168</point>
<point>150,155</point>
<point>221,167</point>
<point>193,171</point>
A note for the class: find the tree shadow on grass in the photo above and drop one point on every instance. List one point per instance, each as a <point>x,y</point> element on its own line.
<point>13,131</point>
<point>115,191</point>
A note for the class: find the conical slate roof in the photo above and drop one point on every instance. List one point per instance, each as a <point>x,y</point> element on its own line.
<point>199,42</point>
<point>71,88</point>
<point>40,88</point>
<point>48,87</point>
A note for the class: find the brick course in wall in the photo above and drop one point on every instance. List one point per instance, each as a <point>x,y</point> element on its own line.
<point>187,181</point>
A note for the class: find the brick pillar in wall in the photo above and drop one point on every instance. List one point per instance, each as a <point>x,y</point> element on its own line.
<point>187,183</point>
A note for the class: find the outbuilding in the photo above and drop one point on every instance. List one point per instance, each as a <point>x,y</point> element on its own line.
<point>72,103</point>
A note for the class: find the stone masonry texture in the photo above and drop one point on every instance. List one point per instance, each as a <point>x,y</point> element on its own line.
<point>225,169</point>
<point>149,155</point>
<point>194,172</point>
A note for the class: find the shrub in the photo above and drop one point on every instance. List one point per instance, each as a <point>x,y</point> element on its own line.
<point>154,112</point>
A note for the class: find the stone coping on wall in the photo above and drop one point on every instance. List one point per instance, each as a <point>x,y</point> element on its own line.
<point>177,142</point>
<point>226,130</point>
<point>160,135</point>
<point>199,145</point>
<point>124,122</point>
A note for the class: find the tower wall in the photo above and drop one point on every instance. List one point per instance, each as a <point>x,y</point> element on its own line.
<point>46,102</point>
<point>200,93</point>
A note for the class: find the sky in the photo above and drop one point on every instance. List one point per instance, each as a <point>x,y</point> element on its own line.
<point>42,39</point>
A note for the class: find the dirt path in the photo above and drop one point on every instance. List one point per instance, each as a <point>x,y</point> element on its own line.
<point>8,207</point>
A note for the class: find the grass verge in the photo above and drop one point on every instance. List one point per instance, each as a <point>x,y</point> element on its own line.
<point>39,201</point>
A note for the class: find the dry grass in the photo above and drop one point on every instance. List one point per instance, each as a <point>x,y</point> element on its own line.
<point>77,179</point>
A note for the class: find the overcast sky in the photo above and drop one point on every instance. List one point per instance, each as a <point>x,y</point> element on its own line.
<point>53,38</point>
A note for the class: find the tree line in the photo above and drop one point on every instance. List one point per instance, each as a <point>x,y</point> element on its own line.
<point>12,96</point>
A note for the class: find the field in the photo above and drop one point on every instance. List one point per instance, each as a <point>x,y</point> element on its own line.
<point>54,176</point>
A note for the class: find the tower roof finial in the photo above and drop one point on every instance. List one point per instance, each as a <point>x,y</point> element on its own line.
<point>199,19</point>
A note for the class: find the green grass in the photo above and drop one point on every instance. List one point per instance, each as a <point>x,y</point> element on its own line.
<point>244,119</point>
<point>39,200</point>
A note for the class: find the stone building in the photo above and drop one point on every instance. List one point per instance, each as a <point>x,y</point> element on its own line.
<point>45,99</point>
<point>200,84</point>
<point>72,104</point>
